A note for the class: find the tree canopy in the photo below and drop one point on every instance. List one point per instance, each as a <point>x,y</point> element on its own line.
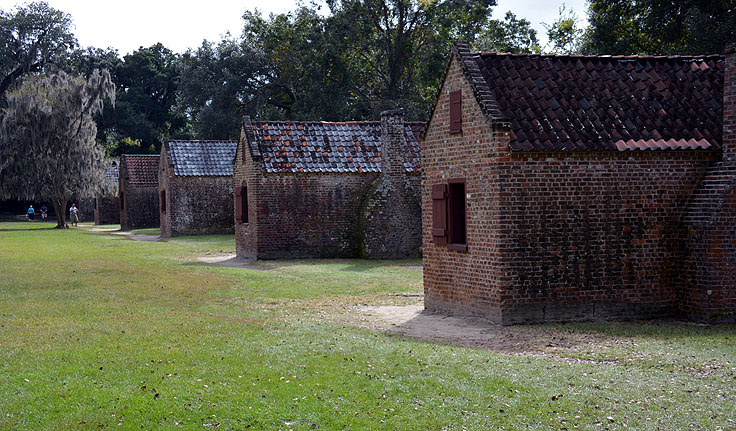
<point>32,38</point>
<point>659,27</point>
<point>47,139</point>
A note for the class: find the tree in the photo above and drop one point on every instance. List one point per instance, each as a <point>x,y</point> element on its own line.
<point>147,82</point>
<point>398,48</point>
<point>510,35</point>
<point>564,34</point>
<point>218,85</point>
<point>32,38</point>
<point>625,27</point>
<point>47,140</point>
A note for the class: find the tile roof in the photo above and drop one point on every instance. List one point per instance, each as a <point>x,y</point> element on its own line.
<point>590,103</point>
<point>202,158</point>
<point>142,168</point>
<point>312,146</point>
<point>112,172</point>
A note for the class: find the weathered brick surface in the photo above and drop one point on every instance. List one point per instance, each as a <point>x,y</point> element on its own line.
<point>559,236</point>
<point>194,204</point>
<point>710,290</point>
<point>138,201</point>
<point>390,214</point>
<point>107,210</point>
<point>318,214</point>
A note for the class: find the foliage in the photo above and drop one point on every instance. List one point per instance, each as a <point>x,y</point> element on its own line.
<point>121,334</point>
<point>147,82</point>
<point>307,77</point>
<point>219,83</point>
<point>510,35</point>
<point>32,39</point>
<point>564,33</point>
<point>657,27</point>
<point>47,141</point>
<point>398,48</point>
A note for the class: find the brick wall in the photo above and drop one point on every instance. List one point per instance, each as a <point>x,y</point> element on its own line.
<point>554,236</point>
<point>390,215</point>
<point>464,283</point>
<point>107,210</point>
<point>710,290</point>
<point>138,204</point>
<point>307,215</point>
<point>194,204</point>
<point>199,205</point>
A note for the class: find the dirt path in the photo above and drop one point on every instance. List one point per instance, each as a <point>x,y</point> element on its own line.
<point>413,321</point>
<point>133,236</point>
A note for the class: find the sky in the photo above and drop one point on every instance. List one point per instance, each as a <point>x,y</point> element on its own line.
<point>180,24</point>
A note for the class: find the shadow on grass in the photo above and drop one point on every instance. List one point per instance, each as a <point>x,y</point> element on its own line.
<point>31,229</point>
<point>648,329</point>
<point>351,265</point>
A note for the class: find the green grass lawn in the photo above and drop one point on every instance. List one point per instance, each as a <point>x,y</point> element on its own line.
<point>98,331</point>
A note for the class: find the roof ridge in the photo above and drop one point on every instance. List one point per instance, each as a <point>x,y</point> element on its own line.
<point>319,122</point>
<point>604,56</point>
<point>202,140</point>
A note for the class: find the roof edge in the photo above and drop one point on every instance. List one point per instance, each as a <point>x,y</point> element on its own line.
<point>481,90</point>
<point>250,139</point>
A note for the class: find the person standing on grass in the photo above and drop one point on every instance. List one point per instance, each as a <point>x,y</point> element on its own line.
<point>74,215</point>
<point>31,213</point>
<point>44,213</point>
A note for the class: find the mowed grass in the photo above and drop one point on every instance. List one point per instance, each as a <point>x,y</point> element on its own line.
<point>98,331</point>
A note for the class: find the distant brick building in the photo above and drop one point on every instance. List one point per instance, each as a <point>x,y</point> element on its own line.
<point>196,187</point>
<point>315,189</point>
<point>107,205</point>
<point>579,187</point>
<point>138,191</point>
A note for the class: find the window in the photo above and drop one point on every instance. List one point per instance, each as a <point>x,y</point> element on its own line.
<point>241,204</point>
<point>163,201</point>
<point>456,111</point>
<point>448,215</point>
<point>456,215</point>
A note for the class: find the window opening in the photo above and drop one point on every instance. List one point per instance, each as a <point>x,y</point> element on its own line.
<point>456,215</point>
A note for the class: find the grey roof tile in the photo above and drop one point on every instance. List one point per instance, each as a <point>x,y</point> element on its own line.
<point>202,158</point>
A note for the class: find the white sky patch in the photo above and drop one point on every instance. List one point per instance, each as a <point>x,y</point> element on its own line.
<point>182,24</point>
<point>539,12</point>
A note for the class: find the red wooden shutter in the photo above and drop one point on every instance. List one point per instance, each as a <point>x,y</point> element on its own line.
<point>244,203</point>
<point>238,206</point>
<point>439,213</point>
<point>456,111</point>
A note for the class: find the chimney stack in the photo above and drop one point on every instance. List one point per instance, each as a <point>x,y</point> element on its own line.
<point>729,105</point>
<point>393,143</point>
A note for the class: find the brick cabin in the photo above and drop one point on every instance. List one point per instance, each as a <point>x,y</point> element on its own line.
<point>138,191</point>
<point>317,189</point>
<point>579,187</point>
<point>196,187</point>
<point>107,206</point>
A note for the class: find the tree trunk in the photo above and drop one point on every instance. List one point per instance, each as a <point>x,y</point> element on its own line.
<point>60,207</point>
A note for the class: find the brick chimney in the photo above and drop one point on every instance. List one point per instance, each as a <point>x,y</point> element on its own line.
<point>392,143</point>
<point>729,105</point>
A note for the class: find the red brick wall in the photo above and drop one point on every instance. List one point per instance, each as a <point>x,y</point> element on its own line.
<point>710,291</point>
<point>246,171</point>
<point>107,210</point>
<point>194,204</point>
<point>303,215</point>
<point>140,208</point>
<point>466,283</point>
<point>554,236</point>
